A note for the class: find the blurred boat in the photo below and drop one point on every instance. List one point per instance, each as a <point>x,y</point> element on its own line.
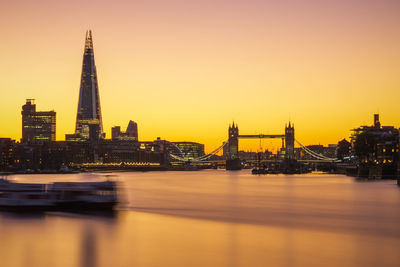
<point>85,195</point>
<point>24,197</point>
<point>72,196</point>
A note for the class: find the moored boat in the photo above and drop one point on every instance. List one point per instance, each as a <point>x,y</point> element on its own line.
<point>259,171</point>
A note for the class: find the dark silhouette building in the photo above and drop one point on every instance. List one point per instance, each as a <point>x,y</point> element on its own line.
<point>232,159</point>
<point>115,132</point>
<point>377,123</point>
<point>130,134</point>
<point>343,149</point>
<point>37,126</point>
<point>7,158</point>
<point>132,130</point>
<point>376,149</point>
<point>233,142</point>
<point>376,144</point>
<point>289,141</point>
<point>89,111</point>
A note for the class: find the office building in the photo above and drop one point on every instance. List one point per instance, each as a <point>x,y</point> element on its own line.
<point>37,126</point>
<point>190,150</point>
<point>131,132</point>
<point>89,111</point>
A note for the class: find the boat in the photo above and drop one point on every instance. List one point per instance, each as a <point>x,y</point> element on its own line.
<point>85,195</point>
<point>25,197</point>
<point>258,170</point>
<point>59,196</point>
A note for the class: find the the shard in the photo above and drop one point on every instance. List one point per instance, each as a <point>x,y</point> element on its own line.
<point>89,111</point>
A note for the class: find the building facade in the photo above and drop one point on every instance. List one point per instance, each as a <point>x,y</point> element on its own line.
<point>37,126</point>
<point>289,141</point>
<point>131,132</point>
<point>233,142</point>
<point>376,145</point>
<point>89,111</point>
<point>7,158</point>
<point>191,150</point>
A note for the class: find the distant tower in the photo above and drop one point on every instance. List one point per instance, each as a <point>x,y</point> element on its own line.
<point>289,141</point>
<point>377,123</point>
<point>89,111</point>
<point>232,160</point>
<point>233,141</point>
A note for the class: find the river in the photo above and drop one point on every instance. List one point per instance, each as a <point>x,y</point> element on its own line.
<point>214,218</point>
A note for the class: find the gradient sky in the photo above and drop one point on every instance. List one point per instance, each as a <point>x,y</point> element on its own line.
<point>183,70</point>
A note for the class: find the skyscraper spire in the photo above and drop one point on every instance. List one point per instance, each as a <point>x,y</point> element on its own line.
<point>89,111</point>
<point>89,41</point>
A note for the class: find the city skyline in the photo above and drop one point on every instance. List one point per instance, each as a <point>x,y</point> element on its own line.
<point>188,83</point>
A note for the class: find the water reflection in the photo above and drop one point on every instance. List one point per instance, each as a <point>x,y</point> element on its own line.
<point>22,215</point>
<point>213,218</point>
<point>99,214</point>
<point>88,250</point>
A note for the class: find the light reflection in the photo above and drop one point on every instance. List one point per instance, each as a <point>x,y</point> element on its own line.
<point>88,249</point>
<point>213,218</point>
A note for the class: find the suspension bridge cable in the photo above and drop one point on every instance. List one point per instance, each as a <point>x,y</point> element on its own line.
<point>314,154</point>
<point>204,157</point>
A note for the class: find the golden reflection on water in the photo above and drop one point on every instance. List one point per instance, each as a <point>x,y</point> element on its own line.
<point>280,221</point>
<point>143,239</point>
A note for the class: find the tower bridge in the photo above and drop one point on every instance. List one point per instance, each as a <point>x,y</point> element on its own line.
<point>233,160</point>
<point>231,149</point>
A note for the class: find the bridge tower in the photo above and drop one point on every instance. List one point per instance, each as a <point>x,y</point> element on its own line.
<point>289,141</point>
<point>232,160</point>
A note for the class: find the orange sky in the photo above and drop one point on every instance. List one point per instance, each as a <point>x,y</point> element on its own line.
<point>183,70</point>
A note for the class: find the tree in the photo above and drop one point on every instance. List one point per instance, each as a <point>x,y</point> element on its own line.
<point>364,145</point>
<point>343,149</point>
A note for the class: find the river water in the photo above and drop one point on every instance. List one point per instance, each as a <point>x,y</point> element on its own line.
<point>214,218</point>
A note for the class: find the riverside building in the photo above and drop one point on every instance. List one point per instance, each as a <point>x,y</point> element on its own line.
<point>37,126</point>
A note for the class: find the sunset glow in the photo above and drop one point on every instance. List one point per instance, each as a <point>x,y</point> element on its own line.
<point>184,70</point>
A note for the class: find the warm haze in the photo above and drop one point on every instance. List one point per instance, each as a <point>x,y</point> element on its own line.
<point>183,70</point>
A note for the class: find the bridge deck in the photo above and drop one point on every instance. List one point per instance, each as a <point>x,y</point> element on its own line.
<point>261,136</point>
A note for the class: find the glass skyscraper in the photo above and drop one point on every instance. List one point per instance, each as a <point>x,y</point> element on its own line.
<point>89,111</point>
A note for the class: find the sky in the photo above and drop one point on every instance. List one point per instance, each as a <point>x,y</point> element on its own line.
<point>184,70</point>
